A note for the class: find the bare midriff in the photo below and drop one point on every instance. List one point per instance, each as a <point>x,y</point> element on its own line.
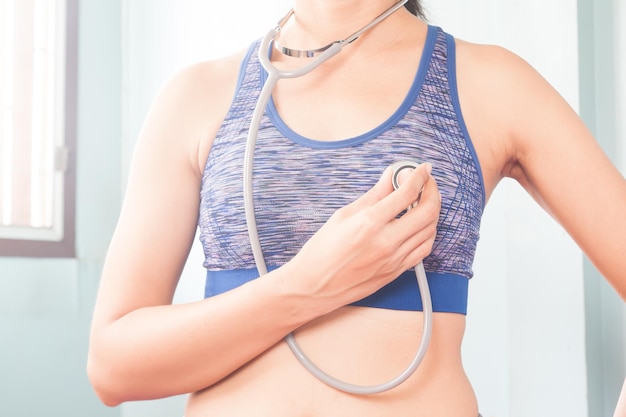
<point>363,346</point>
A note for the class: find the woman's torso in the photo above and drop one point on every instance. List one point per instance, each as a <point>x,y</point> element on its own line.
<point>360,345</point>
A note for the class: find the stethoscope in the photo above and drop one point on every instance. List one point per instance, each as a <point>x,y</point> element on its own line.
<point>321,55</point>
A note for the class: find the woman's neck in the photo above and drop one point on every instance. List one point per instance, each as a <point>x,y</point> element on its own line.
<point>318,22</point>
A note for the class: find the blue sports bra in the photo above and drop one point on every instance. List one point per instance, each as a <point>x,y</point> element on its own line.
<point>299,182</point>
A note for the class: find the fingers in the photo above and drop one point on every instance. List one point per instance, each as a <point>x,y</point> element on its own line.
<point>411,184</point>
<point>414,233</point>
<point>366,239</point>
<point>418,227</point>
<point>378,209</point>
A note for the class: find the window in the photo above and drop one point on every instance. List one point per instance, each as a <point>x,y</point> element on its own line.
<point>37,127</point>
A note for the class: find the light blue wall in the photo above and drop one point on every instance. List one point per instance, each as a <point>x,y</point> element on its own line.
<point>46,304</point>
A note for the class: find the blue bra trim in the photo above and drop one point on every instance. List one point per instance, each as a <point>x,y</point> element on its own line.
<point>408,101</point>
<point>454,94</point>
<point>448,291</point>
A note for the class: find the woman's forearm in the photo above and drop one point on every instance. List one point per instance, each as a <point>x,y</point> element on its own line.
<point>159,351</point>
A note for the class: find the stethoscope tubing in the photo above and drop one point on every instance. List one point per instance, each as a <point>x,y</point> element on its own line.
<point>274,74</point>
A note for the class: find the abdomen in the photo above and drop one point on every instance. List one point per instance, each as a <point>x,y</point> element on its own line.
<point>359,345</point>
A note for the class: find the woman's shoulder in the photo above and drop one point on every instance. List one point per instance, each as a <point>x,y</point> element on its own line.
<point>190,106</point>
<point>507,86</point>
<point>206,85</point>
<point>492,64</point>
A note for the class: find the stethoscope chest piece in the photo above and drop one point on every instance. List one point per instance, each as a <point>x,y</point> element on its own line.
<point>397,168</point>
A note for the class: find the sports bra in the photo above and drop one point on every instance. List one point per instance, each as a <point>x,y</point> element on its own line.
<point>299,182</point>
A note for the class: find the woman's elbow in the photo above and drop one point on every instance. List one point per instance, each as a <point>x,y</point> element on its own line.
<point>103,382</point>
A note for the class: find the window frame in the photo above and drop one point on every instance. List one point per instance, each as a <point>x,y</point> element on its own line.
<point>65,247</point>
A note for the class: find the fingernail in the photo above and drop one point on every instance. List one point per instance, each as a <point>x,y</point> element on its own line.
<point>429,167</point>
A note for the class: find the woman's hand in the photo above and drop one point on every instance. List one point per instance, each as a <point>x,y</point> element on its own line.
<point>365,245</point>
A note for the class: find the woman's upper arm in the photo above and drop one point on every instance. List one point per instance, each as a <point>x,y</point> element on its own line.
<point>158,219</point>
<point>557,160</point>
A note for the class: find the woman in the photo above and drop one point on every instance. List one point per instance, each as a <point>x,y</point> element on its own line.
<point>401,90</point>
